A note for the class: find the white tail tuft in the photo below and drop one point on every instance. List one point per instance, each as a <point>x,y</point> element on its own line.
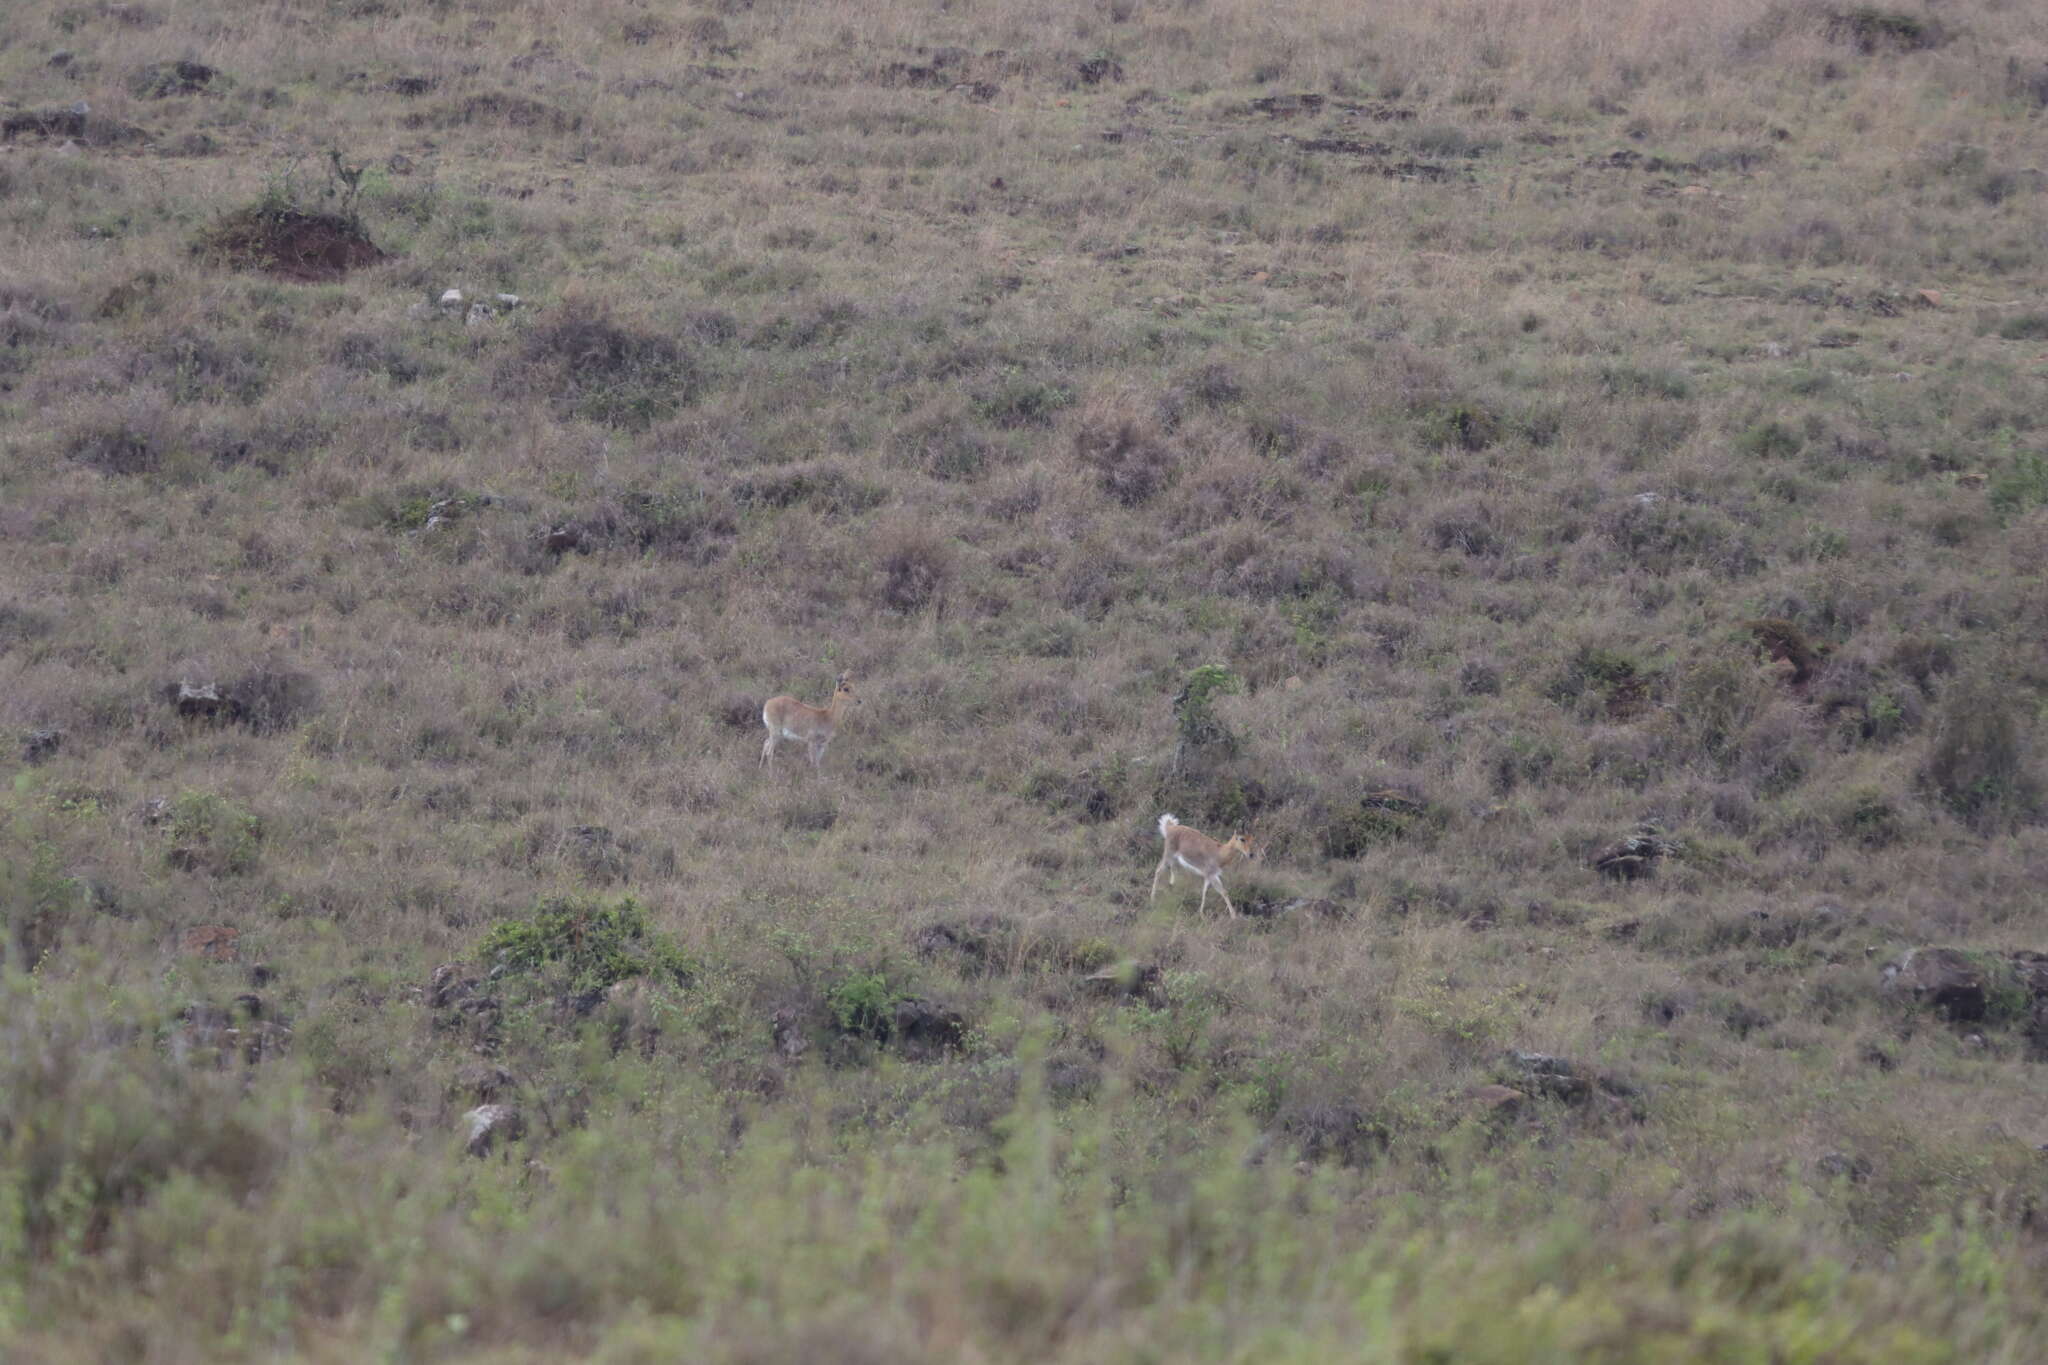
<point>1167,822</point>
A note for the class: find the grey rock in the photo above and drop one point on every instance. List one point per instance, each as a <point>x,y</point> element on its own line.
<point>202,701</point>
<point>488,1124</point>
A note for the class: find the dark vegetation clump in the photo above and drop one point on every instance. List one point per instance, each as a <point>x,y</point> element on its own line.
<point>31,322</point>
<point>288,241</point>
<point>76,123</point>
<point>1020,401</point>
<point>915,565</point>
<point>1128,454</point>
<point>371,353</point>
<point>1465,424</point>
<point>1203,733</point>
<point>982,944</point>
<point>1980,763</point>
<point>1318,1127</point>
<point>827,487</point>
<point>270,701</point>
<point>1093,795</point>
<point>208,833</point>
<point>1377,818</point>
<point>2028,326</point>
<point>596,368</point>
<point>2027,81</point>
<point>584,946</point>
<point>1784,642</point>
<point>1870,29</point>
<point>501,108</point>
<point>162,80</point>
<point>947,447</point>
<point>113,445</point>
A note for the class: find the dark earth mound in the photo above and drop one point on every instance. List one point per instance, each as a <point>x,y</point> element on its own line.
<point>290,242</point>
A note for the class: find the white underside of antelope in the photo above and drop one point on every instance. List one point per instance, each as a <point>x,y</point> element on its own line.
<point>813,746</point>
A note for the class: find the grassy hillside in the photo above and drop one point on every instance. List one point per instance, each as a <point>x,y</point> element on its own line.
<point>1449,440</point>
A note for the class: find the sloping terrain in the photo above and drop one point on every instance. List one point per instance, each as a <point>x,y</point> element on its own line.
<point>1570,479</point>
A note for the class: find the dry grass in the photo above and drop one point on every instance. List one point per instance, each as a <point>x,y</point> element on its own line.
<point>1535,406</point>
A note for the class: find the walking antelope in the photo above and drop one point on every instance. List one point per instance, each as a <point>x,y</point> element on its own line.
<point>1201,855</point>
<point>810,726</point>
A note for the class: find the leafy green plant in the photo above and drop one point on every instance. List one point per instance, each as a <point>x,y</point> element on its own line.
<point>1870,29</point>
<point>861,1003</point>
<point>1466,425</point>
<point>213,834</point>
<point>1022,402</point>
<point>35,896</point>
<point>1378,818</point>
<point>2024,327</point>
<point>1978,763</point>
<point>587,944</point>
<point>1201,729</point>
<point>1770,441</point>
<point>2021,485</point>
<point>1181,1022</point>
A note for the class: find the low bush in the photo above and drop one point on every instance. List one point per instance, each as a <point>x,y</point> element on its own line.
<point>585,945</point>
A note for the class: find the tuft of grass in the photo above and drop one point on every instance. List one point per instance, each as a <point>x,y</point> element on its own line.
<point>1980,762</point>
<point>1872,29</point>
<point>2031,326</point>
<point>596,368</point>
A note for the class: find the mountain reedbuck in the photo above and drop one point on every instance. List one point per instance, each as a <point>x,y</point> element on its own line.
<point>1201,855</point>
<point>810,726</point>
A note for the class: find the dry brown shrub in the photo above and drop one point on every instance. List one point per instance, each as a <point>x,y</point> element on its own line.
<point>599,368</point>
<point>1234,487</point>
<point>1117,435</point>
<point>913,564</point>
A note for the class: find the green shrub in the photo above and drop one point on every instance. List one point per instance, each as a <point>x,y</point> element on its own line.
<point>862,1003</point>
<point>1464,424</point>
<point>35,898</point>
<point>588,945</point>
<point>1870,29</point>
<point>1978,762</point>
<point>599,369</point>
<point>210,833</point>
<point>1770,441</point>
<point>1620,682</point>
<point>2021,485</point>
<point>1632,381</point>
<point>1869,816</point>
<point>1022,402</point>
<point>1194,707</point>
<point>2024,327</point>
<point>1378,818</point>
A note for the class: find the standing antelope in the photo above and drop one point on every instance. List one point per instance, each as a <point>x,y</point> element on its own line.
<point>811,726</point>
<point>1201,855</point>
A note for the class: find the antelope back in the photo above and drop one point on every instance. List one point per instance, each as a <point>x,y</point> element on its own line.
<point>1195,846</point>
